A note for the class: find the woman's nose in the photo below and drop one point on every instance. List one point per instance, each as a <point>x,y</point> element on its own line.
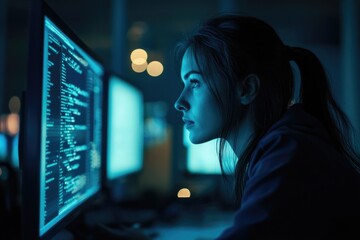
<point>181,104</point>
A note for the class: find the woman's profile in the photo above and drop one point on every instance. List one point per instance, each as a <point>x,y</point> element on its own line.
<point>297,174</point>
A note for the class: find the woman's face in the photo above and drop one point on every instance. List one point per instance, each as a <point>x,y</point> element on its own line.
<point>201,112</point>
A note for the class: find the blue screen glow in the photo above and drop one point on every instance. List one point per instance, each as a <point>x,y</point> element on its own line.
<point>125,129</point>
<point>71,126</point>
<point>203,158</point>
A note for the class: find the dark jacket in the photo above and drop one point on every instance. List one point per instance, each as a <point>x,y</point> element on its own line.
<point>298,186</point>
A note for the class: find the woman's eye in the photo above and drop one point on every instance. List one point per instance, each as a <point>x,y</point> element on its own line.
<point>194,83</point>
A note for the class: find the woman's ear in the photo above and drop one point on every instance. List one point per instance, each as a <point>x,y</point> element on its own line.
<point>248,89</point>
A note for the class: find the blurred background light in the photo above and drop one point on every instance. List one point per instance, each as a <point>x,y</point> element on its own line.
<point>184,193</point>
<point>137,31</point>
<point>139,68</point>
<point>12,124</point>
<point>14,104</point>
<point>15,151</point>
<point>2,123</point>
<point>138,56</point>
<point>155,68</point>
<point>3,146</point>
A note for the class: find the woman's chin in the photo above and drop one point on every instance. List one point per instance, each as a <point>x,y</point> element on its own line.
<point>198,139</point>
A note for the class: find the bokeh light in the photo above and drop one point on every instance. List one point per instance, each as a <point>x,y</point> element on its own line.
<point>139,68</point>
<point>14,104</point>
<point>155,68</point>
<point>12,124</point>
<point>184,193</point>
<point>2,123</point>
<point>137,31</point>
<point>138,56</point>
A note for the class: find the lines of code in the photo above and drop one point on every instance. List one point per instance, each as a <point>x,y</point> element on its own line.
<point>73,128</point>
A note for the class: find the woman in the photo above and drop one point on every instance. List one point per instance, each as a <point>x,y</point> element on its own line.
<point>297,171</point>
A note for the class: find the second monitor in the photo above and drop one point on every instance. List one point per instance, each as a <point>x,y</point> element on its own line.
<point>124,138</point>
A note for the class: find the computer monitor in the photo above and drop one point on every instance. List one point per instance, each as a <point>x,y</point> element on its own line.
<point>61,135</point>
<point>203,159</point>
<point>125,129</point>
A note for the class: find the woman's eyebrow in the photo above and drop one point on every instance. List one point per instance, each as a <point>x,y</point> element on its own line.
<point>186,76</point>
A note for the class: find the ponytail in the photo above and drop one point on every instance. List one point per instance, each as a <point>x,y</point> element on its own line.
<point>317,100</point>
<point>315,92</point>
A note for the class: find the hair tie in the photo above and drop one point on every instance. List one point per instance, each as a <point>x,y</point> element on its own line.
<point>295,69</point>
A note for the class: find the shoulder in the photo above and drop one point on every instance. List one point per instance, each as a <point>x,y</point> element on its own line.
<point>286,141</point>
<point>275,153</point>
<point>297,140</point>
<point>301,161</point>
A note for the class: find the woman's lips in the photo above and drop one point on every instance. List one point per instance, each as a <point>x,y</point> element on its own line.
<point>188,123</point>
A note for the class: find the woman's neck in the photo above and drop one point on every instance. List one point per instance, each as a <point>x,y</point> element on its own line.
<point>241,135</point>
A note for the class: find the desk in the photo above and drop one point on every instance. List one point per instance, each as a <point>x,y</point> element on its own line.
<point>206,225</point>
<point>199,222</point>
<point>188,233</point>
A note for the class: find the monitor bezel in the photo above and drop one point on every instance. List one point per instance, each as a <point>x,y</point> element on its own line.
<point>31,133</point>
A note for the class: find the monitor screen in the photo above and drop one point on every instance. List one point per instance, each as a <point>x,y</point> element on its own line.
<point>203,158</point>
<point>63,122</point>
<point>125,128</point>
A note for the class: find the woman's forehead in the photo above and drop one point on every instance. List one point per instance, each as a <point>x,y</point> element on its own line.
<point>189,64</point>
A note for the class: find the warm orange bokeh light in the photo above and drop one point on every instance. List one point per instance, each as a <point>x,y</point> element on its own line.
<point>138,56</point>
<point>155,68</point>
<point>139,68</point>
<point>184,193</point>
<point>12,124</point>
